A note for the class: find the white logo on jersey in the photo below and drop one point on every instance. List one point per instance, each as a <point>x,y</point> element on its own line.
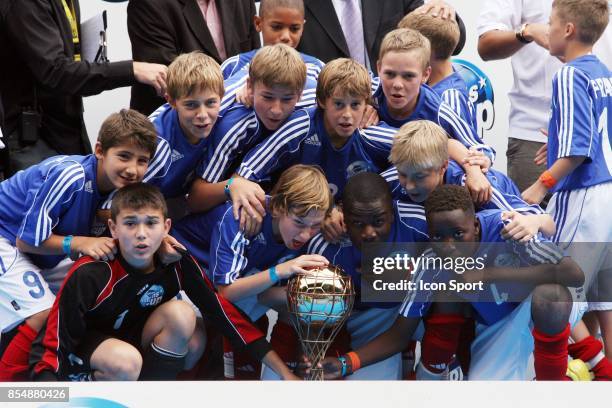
<point>176,155</point>
<point>313,140</point>
<point>152,297</point>
<point>88,187</point>
<point>356,167</point>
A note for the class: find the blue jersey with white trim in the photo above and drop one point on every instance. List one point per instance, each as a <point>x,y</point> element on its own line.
<point>303,139</point>
<point>505,194</point>
<point>491,305</point>
<point>409,226</point>
<point>216,239</point>
<point>173,166</point>
<point>234,134</point>
<point>234,83</point>
<point>581,122</point>
<point>454,93</point>
<point>431,107</point>
<point>238,65</point>
<point>59,195</point>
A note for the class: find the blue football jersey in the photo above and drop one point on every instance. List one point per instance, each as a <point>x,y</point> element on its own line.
<point>173,166</point>
<point>454,93</point>
<point>232,254</point>
<point>59,195</point>
<point>303,139</point>
<point>505,194</point>
<point>581,121</point>
<point>409,226</point>
<point>238,65</point>
<point>235,133</point>
<point>492,304</point>
<point>431,107</point>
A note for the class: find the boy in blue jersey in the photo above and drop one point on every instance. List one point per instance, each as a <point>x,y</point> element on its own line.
<point>276,79</point>
<point>535,272</point>
<point>371,216</point>
<point>46,215</point>
<point>443,36</point>
<point>243,268</point>
<point>195,88</point>
<point>404,69</point>
<point>420,158</point>
<point>579,155</point>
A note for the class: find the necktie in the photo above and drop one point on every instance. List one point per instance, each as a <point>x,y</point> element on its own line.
<point>352,26</point>
<point>211,15</point>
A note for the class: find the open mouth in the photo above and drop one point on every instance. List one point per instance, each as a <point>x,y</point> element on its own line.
<point>346,126</point>
<point>297,244</point>
<point>142,247</point>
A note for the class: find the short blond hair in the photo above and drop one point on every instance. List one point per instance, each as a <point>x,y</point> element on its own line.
<point>347,75</point>
<point>421,144</point>
<point>193,72</point>
<point>405,40</point>
<point>300,190</point>
<point>589,16</point>
<point>443,34</point>
<point>278,65</point>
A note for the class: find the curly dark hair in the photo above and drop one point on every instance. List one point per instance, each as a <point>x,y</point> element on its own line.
<point>449,197</point>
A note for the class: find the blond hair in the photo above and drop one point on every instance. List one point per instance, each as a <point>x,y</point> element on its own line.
<point>405,40</point>
<point>443,34</point>
<point>193,72</point>
<point>589,16</point>
<point>266,6</point>
<point>128,128</point>
<point>344,74</point>
<point>420,144</point>
<point>278,65</point>
<point>300,190</point>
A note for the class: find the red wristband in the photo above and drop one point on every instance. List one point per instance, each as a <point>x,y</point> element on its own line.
<point>547,179</point>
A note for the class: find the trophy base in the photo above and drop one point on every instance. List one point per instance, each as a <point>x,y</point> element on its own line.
<point>316,374</point>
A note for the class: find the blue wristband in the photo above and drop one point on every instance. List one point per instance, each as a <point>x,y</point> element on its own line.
<point>342,360</point>
<point>226,189</point>
<point>273,275</point>
<point>66,243</point>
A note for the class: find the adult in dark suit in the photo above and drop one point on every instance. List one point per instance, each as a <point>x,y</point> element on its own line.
<point>43,83</point>
<point>323,36</point>
<point>162,29</point>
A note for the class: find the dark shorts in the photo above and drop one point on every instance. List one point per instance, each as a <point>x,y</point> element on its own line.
<point>78,367</point>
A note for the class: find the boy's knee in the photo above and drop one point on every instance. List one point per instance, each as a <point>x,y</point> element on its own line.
<point>123,364</point>
<point>551,306</point>
<point>180,319</point>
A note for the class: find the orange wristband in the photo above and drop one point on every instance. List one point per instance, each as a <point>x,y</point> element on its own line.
<point>355,361</point>
<point>547,179</point>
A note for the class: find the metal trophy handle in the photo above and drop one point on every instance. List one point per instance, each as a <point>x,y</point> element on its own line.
<point>320,301</point>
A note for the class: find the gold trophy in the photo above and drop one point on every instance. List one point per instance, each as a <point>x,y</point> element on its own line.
<point>320,302</point>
